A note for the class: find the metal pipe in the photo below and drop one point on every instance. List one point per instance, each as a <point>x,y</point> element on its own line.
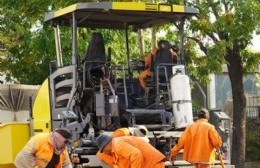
<point>74,38</point>
<point>31,117</point>
<point>127,53</point>
<point>181,30</point>
<point>202,92</point>
<point>58,46</point>
<point>125,91</point>
<point>74,54</point>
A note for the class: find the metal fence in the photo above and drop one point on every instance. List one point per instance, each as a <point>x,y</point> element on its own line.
<point>253,129</point>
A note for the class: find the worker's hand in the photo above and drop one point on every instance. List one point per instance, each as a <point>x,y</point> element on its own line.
<point>222,155</point>
<point>172,158</point>
<point>172,161</point>
<point>74,158</point>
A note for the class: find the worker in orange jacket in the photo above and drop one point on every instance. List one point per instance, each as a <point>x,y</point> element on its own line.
<point>46,150</point>
<point>130,152</point>
<point>147,72</point>
<point>199,141</point>
<point>140,131</point>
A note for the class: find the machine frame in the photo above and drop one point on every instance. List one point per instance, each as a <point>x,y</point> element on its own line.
<point>69,84</point>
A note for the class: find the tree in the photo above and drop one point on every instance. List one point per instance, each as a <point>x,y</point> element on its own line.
<point>222,31</point>
<point>29,42</point>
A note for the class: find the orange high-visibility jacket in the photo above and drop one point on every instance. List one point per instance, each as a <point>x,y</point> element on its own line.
<point>38,152</point>
<point>134,152</point>
<point>154,53</point>
<point>121,132</point>
<point>198,141</point>
<point>146,73</point>
<point>108,159</point>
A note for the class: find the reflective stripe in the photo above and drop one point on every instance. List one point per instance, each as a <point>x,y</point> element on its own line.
<point>30,147</point>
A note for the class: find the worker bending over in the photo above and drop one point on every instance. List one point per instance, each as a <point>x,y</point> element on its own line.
<point>198,141</point>
<point>130,152</point>
<point>140,131</point>
<point>46,150</point>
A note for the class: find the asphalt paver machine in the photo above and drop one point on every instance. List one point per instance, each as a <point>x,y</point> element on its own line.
<point>94,95</point>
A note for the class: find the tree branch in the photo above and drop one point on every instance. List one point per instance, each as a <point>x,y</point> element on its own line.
<point>215,10</point>
<point>225,6</point>
<point>211,35</point>
<point>199,42</point>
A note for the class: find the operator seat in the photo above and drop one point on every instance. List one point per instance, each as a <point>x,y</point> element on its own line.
<point>96,48</point>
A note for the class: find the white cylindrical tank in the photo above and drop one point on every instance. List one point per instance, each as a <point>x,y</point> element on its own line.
<point>181,97</point>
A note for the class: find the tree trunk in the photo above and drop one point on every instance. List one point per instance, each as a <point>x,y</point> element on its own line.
<point>235,70</point>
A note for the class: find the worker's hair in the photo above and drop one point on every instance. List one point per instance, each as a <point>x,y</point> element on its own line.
<point>203,113</point>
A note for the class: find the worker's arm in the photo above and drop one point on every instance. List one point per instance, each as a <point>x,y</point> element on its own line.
<point>175,150</point>
<point>174,57</point>
<point>148,58</point>
<point>107,159</point>
<point>24,159</point>
<point>147,61</point>
<point>215,138</point>
<point>129,152</point>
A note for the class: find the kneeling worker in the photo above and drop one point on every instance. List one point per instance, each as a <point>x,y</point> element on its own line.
<point>130,152</point>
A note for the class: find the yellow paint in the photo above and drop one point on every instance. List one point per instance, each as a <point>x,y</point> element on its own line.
<point>13,138</point>
<point>41,109</point>
<point>128,6</point>
<point>138,6</point>
<point>66,10</point>
<point>178,8</point>
<point>164,8</point>
<point>151,7</point>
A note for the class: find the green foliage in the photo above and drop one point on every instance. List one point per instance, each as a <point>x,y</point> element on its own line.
<point>252,147</point>
<point>195,108</point>
<point>223,25</point>
<point>21,35</point>
<point>253,143</point>
<point>251,60</point>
